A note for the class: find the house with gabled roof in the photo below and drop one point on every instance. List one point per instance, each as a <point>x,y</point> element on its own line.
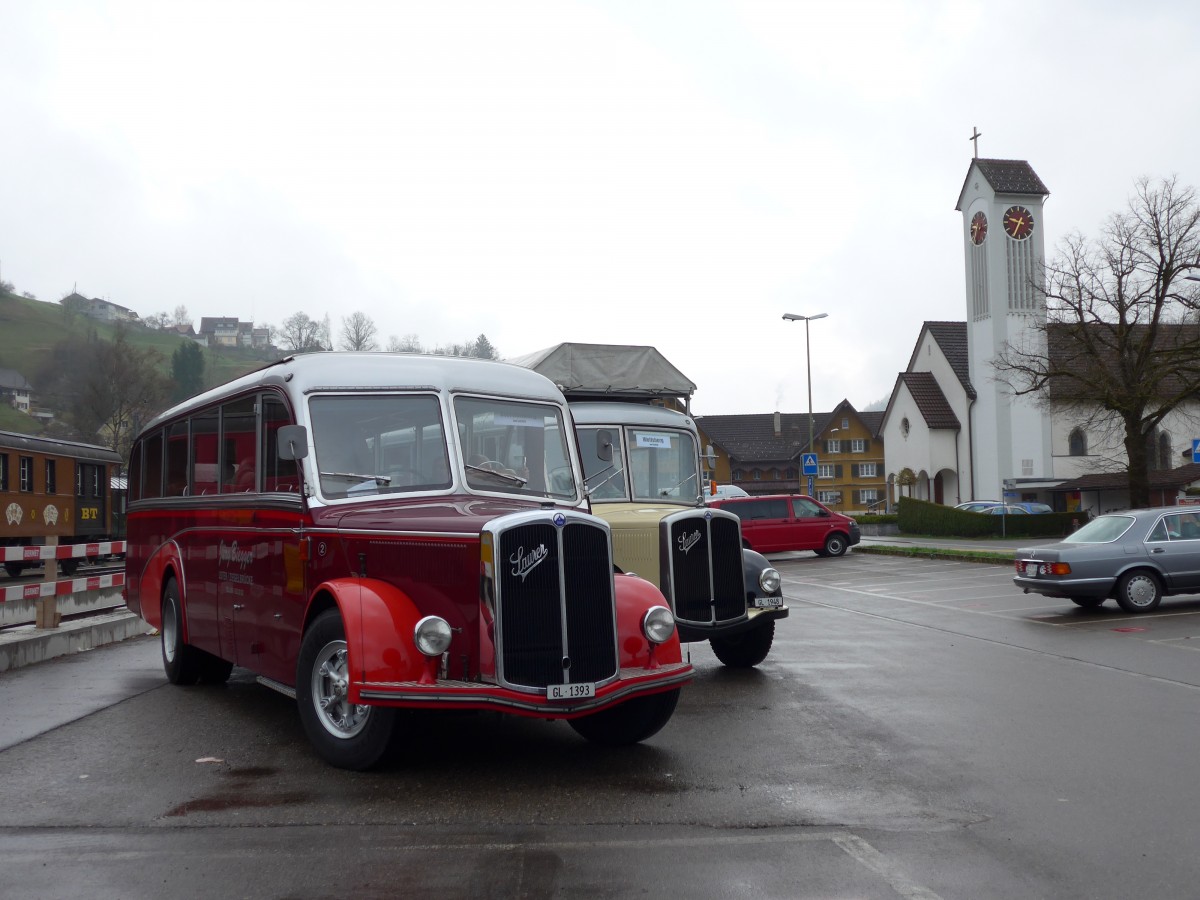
<point>761,453</point>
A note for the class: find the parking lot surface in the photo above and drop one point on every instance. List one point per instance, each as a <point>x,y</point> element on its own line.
<point>921,729</point>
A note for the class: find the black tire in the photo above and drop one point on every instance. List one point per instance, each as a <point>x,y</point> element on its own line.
<point>745,650</point>
<point>68,567</point>
<point>349,736</point>
<point>628,723</point>
<point>1088,602</point>
<point>181,661</point>
<point>1139,591</point>
<point>14,570</point>
<point>836,544</point>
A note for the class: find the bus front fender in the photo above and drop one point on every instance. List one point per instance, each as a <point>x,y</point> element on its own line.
<point>379,619</point>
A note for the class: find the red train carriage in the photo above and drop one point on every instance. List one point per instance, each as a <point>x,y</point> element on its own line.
<point>54,491</point>
<point>369,532</point>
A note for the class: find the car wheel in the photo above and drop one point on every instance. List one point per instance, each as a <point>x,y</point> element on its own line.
<point>745,650</point>
<point>1088,602</point>
<point>347,735</point>
<point>631,722</point>
<point>836,545</point>
<point>14,570</point>
<point>1139,592</point>
<point>181,661</point>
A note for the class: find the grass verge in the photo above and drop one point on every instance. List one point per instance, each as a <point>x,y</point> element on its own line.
<point>996,557</point>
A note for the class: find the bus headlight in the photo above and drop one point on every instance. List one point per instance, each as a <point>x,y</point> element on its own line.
<point>432,636</point>
<point>658,624</point>
<point>769,580</point>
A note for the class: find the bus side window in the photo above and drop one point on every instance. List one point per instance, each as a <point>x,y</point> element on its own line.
<point>238,440</point>
<point>278,475</point>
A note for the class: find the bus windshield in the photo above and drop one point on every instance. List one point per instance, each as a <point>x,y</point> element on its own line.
<point>370,444</point>
<point>514,447</point>
<point>663,465</point>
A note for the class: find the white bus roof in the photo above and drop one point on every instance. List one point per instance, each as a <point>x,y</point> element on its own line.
<point>349,371</point>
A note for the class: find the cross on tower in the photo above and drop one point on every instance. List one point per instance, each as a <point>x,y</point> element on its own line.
<point>975,136</point>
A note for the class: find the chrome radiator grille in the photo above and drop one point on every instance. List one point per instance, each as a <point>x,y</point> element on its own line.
<point>702,562</point>
<point>554,604</point>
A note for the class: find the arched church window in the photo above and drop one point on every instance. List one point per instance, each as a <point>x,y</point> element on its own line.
<point>1077,443</point>
<point>904,426</point>
<point>1158,451</point>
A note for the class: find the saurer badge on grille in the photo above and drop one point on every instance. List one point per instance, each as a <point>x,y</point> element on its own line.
<point>688,541</point>
<point>524,563</point>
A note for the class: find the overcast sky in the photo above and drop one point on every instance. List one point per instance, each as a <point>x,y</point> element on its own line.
<point>678,174</point>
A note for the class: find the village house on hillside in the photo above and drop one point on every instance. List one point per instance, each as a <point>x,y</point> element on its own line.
<point>216,331</point>
<point>101,310</point>
<point>15,390</point>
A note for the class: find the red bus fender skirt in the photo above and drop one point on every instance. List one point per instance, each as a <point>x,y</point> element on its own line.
<point>379,619</point>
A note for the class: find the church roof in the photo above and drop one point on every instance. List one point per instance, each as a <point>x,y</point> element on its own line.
<point>1161,478</point>
<point>1006,176</point>
<point>930,400</point>
<point>752,438</point>
<point>952,338</point>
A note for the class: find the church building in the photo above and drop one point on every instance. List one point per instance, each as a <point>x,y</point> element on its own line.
<point>952,432</point>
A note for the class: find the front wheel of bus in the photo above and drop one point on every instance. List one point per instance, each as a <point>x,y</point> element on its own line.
<point>181,661</point>
<point>745,650</point>
<point>347,735</point>
<point>631,722</point>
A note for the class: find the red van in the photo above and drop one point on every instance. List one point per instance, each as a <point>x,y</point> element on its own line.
<point>791,522</point>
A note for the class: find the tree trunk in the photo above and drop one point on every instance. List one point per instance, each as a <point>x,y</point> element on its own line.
<point>1139,475</point>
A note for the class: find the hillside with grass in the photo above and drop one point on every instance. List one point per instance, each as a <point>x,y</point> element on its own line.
<point>30,330</point>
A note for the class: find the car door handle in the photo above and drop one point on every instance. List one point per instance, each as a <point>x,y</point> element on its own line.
<point>1157,550</point>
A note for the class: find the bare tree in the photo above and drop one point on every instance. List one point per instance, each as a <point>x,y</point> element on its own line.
<point>181,318</point>
<point>410,343</point>
<point>1121,335</point>
<point>299,333</point>
<point>358,332</point>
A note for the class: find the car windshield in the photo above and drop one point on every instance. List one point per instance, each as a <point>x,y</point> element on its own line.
<point>370,444</point>
<point>1101,530</point>
<point>514,447</point>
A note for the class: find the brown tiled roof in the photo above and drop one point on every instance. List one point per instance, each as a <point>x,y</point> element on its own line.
<point>930,400</point>
<point>1174,349</point>
<point>1011,176</point>
<point>1006,176</point>
<point>751,437</point>
<point>1163,478</point>
<point>952,338</point>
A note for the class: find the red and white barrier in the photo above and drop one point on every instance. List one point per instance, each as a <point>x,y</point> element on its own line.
<point>39,589</point>
<point>61,551</point>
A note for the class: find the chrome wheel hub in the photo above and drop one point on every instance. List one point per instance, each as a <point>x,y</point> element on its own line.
<point>330,693</point>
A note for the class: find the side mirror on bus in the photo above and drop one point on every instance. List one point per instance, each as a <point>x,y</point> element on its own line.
<point>293,442</point>
<point>604,446</point>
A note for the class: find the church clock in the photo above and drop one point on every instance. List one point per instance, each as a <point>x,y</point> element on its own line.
<point>1018,223</point>
<point>978,228</point>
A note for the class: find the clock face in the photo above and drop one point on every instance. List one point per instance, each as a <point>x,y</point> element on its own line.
<point>978,228</point>
<point>1018,223</point>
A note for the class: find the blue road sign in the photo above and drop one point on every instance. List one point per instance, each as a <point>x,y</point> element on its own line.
<point>810,485</point>
<point>808,462</point>
<point>1196,450</point>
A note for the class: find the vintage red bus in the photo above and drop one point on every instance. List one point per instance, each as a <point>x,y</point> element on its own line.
<point>373,531</point>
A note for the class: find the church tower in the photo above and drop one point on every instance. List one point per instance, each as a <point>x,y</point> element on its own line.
<point>1003,239</point>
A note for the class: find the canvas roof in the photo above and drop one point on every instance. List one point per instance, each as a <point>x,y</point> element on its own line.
<point>609,372</point>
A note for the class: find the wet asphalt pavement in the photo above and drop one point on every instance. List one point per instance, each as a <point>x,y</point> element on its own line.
<point>921,729</point>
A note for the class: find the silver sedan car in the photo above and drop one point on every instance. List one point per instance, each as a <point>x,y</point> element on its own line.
<point>1136,557</point>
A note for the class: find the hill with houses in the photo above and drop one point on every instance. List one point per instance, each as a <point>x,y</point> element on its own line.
<point>30,329</point>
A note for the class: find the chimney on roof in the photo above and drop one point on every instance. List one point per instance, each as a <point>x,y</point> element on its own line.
<point>778,430</point>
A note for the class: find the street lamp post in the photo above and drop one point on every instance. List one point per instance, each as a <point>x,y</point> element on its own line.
<point>792,317</point>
